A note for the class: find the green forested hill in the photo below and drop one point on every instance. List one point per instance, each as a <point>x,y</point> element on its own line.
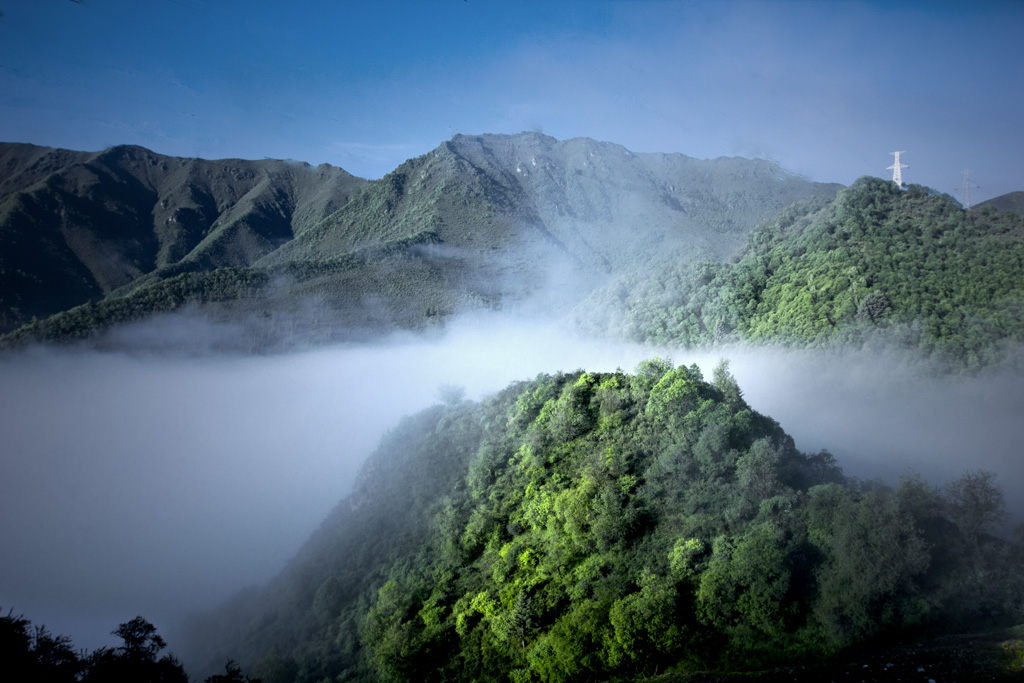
<point>80,226</point>
<point>98,240</point>
<point>606,527</point>
<point>905,267</point>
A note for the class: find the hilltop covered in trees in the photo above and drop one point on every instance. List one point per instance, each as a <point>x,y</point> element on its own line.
<point>592,526</point>
<point>908,269</point>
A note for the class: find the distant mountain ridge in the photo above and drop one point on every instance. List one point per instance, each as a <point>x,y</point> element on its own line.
<point>97,240</point>
<point>597,203</point>
<point>1011,201</point>
<point>77,226</point>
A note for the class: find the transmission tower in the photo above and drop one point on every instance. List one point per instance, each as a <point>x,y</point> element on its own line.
<point>897,175</point>
<point>965,190</point>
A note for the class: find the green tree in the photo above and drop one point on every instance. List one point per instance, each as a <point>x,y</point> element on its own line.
<point>726,383</point>
<point>757,472</point>
<point>644,624</point>
<point>745,592</point>
<point>390,637</point>
<point>873,556</point>
<point>976,503</point>
<point>515,624</point>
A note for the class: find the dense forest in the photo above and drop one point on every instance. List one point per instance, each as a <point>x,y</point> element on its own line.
<point>878,265</point>
<point>609,527</point>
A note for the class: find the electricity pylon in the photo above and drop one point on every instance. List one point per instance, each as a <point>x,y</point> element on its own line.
<point>965,190</point>
<point>897,175</point>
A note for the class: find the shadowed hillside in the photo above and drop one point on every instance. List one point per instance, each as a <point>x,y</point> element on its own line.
<point>1013,201</point>
<point>79,226</point>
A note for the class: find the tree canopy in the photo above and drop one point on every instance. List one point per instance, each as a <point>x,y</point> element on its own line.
<point>908,269</point>
<point>611,525</point>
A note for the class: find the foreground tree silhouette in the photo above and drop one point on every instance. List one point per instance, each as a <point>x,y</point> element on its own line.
<point>136,660</point>
<point>232,674</point>
<point>34,653</point>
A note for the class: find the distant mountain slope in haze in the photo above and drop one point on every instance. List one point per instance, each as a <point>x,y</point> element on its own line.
<point>595,205</point>
<point>481,222</point>
<point>77,226</point>
<point>1011,201</point>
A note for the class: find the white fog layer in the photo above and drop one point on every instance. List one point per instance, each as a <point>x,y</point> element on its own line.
<point>156,485</point>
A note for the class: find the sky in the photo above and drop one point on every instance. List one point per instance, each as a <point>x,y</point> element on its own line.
<point>826,89</point>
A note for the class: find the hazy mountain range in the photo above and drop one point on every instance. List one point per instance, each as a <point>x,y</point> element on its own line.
<point>92,240</point>
<point>276,254</point>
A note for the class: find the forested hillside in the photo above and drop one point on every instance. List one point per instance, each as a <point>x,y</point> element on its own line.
<point>608,527</point>
<point>905,268</point>
<point>95,241</point>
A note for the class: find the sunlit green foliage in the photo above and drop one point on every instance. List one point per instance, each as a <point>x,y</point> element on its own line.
<point>609,526</point>
<point>907,268</point>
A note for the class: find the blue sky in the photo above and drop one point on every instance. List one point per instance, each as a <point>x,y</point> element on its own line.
<point>826,89</point>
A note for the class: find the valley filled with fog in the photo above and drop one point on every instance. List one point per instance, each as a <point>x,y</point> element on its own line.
<point>160,484</point>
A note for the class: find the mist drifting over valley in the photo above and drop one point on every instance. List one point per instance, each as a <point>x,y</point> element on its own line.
<point>159,484</point>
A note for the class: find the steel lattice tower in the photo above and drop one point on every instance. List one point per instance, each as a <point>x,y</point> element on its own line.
<point>965,190</point>
<point>897,167</point>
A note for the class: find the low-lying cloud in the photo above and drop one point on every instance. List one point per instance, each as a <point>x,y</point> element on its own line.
<point>158,485</point>
<point>880,418</point>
